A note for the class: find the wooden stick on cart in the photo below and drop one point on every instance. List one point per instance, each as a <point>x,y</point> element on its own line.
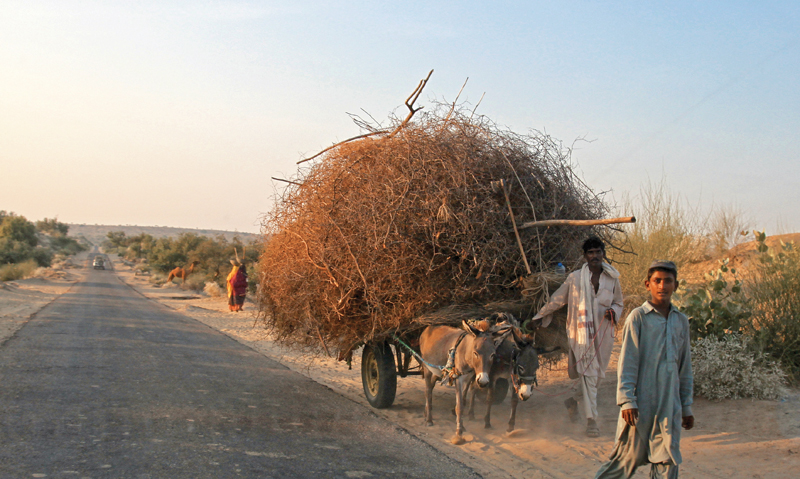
<point>514,222</point>
<point>607,221</point>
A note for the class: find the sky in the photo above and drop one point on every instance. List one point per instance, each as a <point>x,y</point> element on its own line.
<point>178,113</point>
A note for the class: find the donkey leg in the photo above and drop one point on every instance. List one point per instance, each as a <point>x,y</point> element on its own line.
<point>458,439</point>
<point>429,383</point>
<point>487,420</point>
<point>471,412</point>
<point>513,418</point>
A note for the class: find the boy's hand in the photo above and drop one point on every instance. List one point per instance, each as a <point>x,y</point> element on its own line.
<point>631,415</point>
<point>611,315</point>
<point>688,422</point>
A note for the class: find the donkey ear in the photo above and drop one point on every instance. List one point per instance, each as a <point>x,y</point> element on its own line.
<point>520,339</point>
<point>501,336</point>
<point>466,327</point>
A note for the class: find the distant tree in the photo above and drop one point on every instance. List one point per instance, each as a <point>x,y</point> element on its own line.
<point>117,238</point>
<point>52,227</point>
<point>18,241</point>
<point>17,228</point>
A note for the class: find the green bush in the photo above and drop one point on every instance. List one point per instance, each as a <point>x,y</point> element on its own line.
<point>728,368</point>
<point>21,240</point>
<point>775,295</point>
<point>164,254</point>
<point>718,307</point>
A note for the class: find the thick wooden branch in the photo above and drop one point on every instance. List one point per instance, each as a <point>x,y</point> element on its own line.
<point>410,103</point>
<point>514,223</point>
<point>607,221</point>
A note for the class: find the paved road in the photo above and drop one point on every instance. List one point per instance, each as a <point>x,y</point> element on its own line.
<point>105,383</point>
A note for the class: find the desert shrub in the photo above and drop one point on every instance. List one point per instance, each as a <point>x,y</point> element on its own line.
<point>162,255</point>
<point>775,294</point>
<point>717,307</point>
<point>11,272</point>
<point>727,227</point>
<point>213,289</point>
<point>666,227</point>
<point>52,227</point>
<point>21,240</point>
<point>728,368</point>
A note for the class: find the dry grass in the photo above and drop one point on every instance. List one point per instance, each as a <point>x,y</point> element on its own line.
<point>383,230</point>
<point>11,272</point>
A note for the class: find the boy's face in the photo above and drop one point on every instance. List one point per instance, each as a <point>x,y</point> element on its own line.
<point>661,286</point>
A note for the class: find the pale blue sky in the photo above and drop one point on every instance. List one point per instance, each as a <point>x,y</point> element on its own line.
<point>178,113</point>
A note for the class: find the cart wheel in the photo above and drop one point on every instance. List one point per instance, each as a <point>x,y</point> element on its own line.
<point>500,390</point>
<point>379,375</point>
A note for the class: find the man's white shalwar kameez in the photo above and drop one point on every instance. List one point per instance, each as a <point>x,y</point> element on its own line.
<point>591,337</point>
<point>654,376</point>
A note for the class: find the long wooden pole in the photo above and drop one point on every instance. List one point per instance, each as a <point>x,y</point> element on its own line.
<point>514,222</point>
<point>607,221</point>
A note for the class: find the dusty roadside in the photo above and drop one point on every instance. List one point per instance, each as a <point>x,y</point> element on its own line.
<point>743,438</point>
<point>21,299</point>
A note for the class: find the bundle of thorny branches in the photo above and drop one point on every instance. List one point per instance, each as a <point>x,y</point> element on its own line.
<point>382,232</point>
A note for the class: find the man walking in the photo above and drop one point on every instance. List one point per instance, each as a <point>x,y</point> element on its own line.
<point>594,302</point>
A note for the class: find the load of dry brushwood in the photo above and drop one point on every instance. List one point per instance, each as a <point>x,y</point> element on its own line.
<point>383,232</point>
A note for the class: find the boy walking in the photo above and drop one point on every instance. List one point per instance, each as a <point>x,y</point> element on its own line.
<point>655,383</point>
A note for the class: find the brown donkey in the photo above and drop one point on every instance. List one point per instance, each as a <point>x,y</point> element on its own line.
<point>474,354</point>
<point>516,360</point>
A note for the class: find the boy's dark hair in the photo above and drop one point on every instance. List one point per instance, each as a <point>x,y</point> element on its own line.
<point>663,266</point>
<point>593,242</point>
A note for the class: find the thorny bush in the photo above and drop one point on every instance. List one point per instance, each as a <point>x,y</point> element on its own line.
<point>728,368</point>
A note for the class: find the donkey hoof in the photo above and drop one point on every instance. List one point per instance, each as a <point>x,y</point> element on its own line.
<point>429,423</point>
<point>458,440</point>
<point>487,426</point>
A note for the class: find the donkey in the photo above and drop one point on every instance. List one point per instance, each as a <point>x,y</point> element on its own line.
<point>516,360</point>
<point>473,357</point>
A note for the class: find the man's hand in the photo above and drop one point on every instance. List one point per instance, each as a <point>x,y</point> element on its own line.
<point>611,315</point>
<point>688,422</point>
<point>630,416</point>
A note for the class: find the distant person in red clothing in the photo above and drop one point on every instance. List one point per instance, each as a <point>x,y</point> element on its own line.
<point>237,288</point>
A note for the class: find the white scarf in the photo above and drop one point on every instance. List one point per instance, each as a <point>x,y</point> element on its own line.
<point>584,331</point>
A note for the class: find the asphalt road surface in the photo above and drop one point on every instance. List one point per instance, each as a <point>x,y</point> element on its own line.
<point>105,383</point>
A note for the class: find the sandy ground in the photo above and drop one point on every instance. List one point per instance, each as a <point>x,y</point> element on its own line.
<point>21,299</point>
<point>731,439</point>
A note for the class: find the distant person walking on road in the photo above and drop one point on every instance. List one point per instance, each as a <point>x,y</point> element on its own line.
<point>594,299</point>
<point>237,287</point>
<point>655,383</point>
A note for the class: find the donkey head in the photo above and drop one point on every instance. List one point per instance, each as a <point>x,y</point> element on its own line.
<point>481,356</point>
<point>524,364</point>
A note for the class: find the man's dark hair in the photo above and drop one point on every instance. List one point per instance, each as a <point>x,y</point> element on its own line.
<point>593,242</point>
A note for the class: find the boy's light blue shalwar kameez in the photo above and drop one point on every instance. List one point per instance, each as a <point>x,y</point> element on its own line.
<point>654,375</point>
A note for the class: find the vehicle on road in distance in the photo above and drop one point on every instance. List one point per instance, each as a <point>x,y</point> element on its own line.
<point>98,263</point>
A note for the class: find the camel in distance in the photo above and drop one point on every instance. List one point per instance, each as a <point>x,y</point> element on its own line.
<point>182,273</point>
